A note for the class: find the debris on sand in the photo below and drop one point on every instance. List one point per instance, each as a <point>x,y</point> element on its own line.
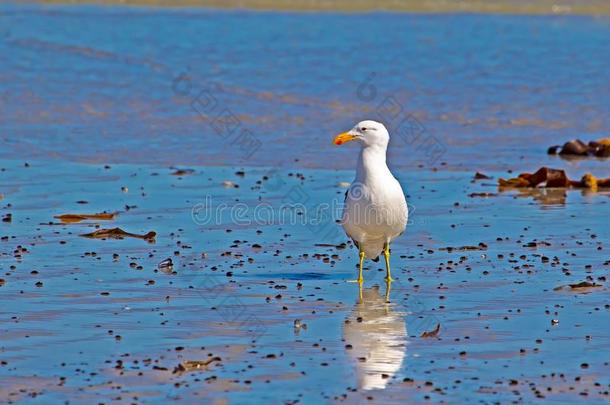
<point>480,246</point>
<point>482,195</point>
<point>194,365</point>
<point>7,217</point>
<point>432,333</point>
<point>118,233</point>
<point>481,176</point>
<point>183,172</point>
<point>582,287</point>
<point>576,147</point>
<point>298,325</point>
<point>74,218</point>
<point>229,184</point>
<point>593,183</point>
<point>547,177</point>
<point>331,245</point>
<point>166,265</point>
<point>584,284</point>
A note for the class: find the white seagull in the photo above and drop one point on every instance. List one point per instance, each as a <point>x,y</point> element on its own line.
<point>375,210</point>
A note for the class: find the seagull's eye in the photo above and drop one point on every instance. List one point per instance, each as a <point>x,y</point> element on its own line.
<point>363,129</point>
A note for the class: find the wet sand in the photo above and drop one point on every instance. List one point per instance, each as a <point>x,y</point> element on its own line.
<point>97,320</point>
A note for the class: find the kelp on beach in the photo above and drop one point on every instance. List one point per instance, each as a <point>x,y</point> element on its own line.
<point>553,178</point>
<point>75,218</point>
<point>118,233</point>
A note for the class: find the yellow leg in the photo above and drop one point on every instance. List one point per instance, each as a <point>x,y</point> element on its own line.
<point>386,254</point>
<point>360,279</point>
<point>388,288</point>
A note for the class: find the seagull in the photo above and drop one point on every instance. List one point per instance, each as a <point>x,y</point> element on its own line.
<point>375,210</point>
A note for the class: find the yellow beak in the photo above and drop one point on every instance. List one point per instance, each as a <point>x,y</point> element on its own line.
<point>342,138</point>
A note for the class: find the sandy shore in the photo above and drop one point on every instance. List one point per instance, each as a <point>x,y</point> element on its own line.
<point>538,7</point>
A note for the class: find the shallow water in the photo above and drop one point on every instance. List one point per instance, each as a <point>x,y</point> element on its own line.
<point>121,84</point>
<point>240,302</point>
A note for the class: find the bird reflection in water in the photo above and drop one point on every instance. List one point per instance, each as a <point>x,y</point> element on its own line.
<point>375,334</point>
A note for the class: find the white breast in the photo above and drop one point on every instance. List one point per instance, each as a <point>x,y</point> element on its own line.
<point>375,213</point>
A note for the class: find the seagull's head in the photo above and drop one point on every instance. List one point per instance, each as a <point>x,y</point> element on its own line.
<point>368,133</point>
